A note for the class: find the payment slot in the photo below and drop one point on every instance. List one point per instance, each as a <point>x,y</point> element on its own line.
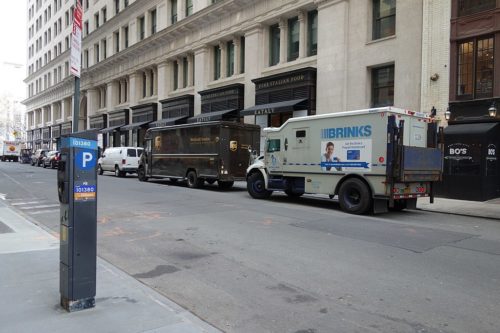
<point>77,192</point>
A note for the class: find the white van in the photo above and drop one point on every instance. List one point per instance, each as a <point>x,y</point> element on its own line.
<point>120,160</point>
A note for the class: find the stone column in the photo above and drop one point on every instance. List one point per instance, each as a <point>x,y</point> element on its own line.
<point>147,73</point>
<point>92,102</point>
<point>302,35</point>
<point>111,95</point>
<point>201,76</point>
<point>133,88</point>
<point>283,25</point>
<point>180,72</point>
<point>162,90</point>
<point>154,81</point>
<point>223,59</point>
<point>237,54</point>
<point>190,70</point>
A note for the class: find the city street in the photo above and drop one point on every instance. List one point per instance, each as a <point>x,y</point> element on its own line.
<point>285,265</point>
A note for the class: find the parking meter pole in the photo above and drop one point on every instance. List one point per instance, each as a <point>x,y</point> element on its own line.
<point>76,105</point>
<point>77,190</point>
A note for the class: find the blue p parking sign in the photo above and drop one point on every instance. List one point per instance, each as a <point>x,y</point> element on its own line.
<point>85,159</point>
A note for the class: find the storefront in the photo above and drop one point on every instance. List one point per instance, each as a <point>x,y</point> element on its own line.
<point>29,140</point>
<point>116,120</point>
<point>222,103</point>
<point>56,136</point>
<point>471,159</point>
<point>37,138</point>
<point>66,128</point>
<point>175,111</point>
<point>98,122</point>
<point>283,96</point>
<point>142,116</point>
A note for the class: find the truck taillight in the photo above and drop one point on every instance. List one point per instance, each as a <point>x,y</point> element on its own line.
<point>124,161</point>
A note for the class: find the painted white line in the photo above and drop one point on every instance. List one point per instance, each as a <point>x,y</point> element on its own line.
<point>39,206</point>
<point>3,196</point>
<point>44,211</point>
<point>25,203</point>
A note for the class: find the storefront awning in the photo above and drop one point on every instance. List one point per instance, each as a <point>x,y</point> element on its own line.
<point>286,106</point>
<point>470,129</point>
<point>211,116</point>
<point>168,121</point>
<point>134,126</point>
<point>110,129</point>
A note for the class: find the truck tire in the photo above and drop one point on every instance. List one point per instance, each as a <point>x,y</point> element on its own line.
<point>141,174</point>
<point>256,186</point>
<point>354,196</point>
<point>192,180</point>
<point>225,185</point>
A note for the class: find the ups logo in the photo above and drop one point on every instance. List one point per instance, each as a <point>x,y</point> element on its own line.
<point>233,145</point>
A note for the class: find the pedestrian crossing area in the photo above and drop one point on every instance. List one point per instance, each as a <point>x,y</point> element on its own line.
<point>33,206</point>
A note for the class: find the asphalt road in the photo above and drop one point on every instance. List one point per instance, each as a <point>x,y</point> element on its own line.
<point>281,265</point>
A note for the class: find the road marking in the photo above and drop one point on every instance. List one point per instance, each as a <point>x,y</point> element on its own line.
<point>25,203</point>
<point>44,211</point>
<point>39,206</point>
<point>3,196</point>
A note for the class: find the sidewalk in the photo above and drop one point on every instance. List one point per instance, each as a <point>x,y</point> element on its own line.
<point>29,285</point>
<point>487,209</point>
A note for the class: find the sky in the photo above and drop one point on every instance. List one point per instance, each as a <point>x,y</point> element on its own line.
<point>13,31</point>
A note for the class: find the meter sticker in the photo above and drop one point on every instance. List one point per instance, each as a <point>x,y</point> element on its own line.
<point>84,192</point>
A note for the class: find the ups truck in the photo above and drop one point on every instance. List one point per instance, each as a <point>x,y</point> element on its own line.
<point>373,159</point>
<point>199,152</point>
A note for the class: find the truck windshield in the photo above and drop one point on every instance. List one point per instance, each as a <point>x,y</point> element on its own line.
<point>273,145</point>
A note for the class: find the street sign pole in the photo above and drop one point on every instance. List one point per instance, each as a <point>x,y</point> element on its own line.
<point>76,60</point>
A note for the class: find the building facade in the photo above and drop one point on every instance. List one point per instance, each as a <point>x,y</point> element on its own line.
<point>155,62</point>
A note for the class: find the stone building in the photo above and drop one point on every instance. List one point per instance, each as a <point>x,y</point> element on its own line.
<point>157,62</point>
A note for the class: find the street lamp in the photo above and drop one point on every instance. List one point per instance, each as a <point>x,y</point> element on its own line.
<point>447,113</point>
<point>492,110</point>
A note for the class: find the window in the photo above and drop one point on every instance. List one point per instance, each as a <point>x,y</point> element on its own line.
<point>475,68</point>
<point>96,53</point>
<point>86,58</point>
<point>185,68</point>
<point>117,6</point>
<point>242,55</point>
<point>116,41</point>
<point>293,38</point>
<point>104,48</point>
<point>273,145</point>
<point>383,86</point>
<point>312,33</point>
<point>274,47</point>
<point>144,79</point>
<point>125,37</point>
<point>230,59</point>
<point>96,20</point>
<point>86,28</point>
<point>104,14</point>
<point>173,11</point>
<point>189,7</point>
<point>467,7</point>
<point>176,75</point>
<point>384,18</point>
<point>141,28</point>
<point>153,21</point>
<point>125,3</point>
<point>217,64</point>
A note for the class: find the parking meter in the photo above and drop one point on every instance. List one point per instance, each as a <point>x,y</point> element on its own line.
<point>77,190</point>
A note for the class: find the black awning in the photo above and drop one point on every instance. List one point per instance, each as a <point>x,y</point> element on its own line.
<point>168,121</point>
<point>211,116</point>
<point>134,126</point>
<point>470,129</point>
<point>286,106</point>
<point>110,129</point>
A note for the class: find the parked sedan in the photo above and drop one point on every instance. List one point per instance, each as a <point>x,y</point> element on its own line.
<point>52,159</point>
<point>37,157</point>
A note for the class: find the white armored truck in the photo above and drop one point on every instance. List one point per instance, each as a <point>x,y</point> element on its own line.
<point>373,159</point>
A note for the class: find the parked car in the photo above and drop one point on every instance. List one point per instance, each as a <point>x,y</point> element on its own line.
<point>37,157</point>
<point>120,160</point>
<point>25,156</point>
<point>52,159</point>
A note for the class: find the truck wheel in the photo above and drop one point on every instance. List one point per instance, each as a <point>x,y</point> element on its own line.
<point>256,186</point>
<point>354,196</point>
<point>192,180</point>
<point>141,174</point>
<point>100,170</point>
<point>225,185</point>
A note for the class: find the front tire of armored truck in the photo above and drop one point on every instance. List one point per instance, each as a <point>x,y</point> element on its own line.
<point>192,180</point>
<point>354,196</point>
<point>141,174</point>
<point>257,187</point>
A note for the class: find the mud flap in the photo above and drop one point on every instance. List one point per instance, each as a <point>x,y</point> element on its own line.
<point>380,206</point>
